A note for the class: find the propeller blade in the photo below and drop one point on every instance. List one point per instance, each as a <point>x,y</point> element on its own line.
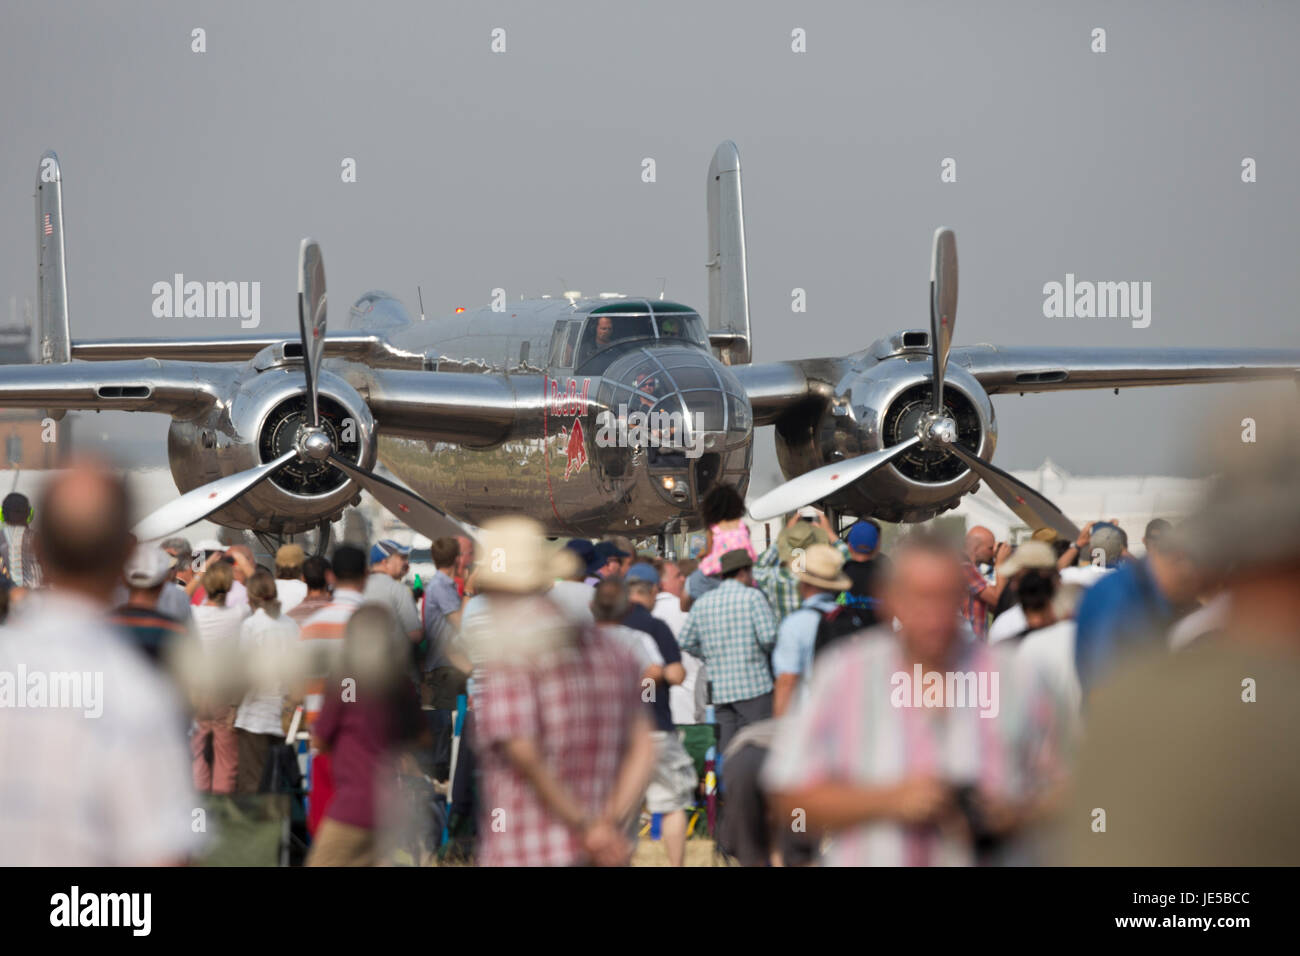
<point>943,306</point>
<point>1031,507</point>
<point>403,503</point>
<point>202,501</point>
<point>820,482</point>
<point>311,317</point>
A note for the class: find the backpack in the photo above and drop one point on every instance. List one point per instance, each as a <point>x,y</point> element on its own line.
<point>840,621</point>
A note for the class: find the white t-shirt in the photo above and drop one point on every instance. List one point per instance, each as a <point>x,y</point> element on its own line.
<point>291,593</point>
<point>218,626</point>
<point>1008,624</point>
<point>1050,652</point>
<point>81,788</point>
<point>266,644</point>
<point>681,697</point>
<point>574,599</point>
<point>1084,575</point>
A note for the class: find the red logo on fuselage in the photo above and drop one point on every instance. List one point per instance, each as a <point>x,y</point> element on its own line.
<point>575,450</point>
<point>570,402</point>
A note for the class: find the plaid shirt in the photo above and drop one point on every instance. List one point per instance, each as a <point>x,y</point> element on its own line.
<point>578,704</point>
<point>733,629</point>
<point>779,584</point>
<point>976,611</point>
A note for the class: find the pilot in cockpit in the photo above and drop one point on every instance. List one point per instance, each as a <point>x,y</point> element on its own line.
<point>604,331</point>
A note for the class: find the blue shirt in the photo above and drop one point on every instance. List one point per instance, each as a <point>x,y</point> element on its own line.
<point>639,618</point>
<point>1122,611</point>
<point>797,639</point>
<point>440,600</point>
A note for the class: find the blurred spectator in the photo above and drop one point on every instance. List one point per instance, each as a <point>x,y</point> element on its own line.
<point>147,573</point>
<point>626,552</point>
<point>443,681</point>
<point>1156,529</point>
<point>981,549</point>
<point>732,628</point>
<point>290,588</point>
<point>673,782</point>
<point>108,791</point>
<point>1134,606</point>
<point>389,562</point>
<point>174,600</point>
<point>463,562</point>
<point>1030,556</point>
<point>315,574</point>
<point>686,700</point>
<point>1192,755</point>
<point>865,566</point>
<point>574,593</point>
<point>267,639</point>
<point>905,779</point>
<point>819,584</point>
<point>18,552</point>
<point>322,638</point>
<point>610,557</point>
<point>218,626</point>
<point>240,560</point>
<point>373,711</point>
<point>564,740</point>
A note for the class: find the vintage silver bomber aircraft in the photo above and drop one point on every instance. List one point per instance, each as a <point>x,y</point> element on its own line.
<point>528,409</point>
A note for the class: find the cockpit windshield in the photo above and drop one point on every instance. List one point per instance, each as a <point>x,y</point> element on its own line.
<point>609,328</point>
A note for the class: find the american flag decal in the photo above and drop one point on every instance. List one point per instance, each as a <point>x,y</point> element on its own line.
<point>49,226</point>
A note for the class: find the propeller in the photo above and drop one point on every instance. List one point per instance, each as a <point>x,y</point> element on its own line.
<point>936,429</point>
<point>820,482</point>
<point>312,442</point>
<point>943,307</point>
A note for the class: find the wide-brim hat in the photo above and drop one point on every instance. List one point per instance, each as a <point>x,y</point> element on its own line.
<point>823,567</point>
<point>513,556</point>
<point>799,536</point>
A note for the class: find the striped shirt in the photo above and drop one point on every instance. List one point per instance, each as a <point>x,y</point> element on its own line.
<point>733,629</point>
<point>328,624</point>
<point>861,725</point>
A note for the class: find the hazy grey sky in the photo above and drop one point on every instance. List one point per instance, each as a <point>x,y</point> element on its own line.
<point>478,170</point>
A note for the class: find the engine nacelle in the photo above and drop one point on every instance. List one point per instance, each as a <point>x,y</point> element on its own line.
<point>258,423</point>
<point>880,406</point>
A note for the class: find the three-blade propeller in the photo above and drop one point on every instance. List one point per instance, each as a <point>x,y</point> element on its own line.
<point>935,430</point>
<point>313,443</point>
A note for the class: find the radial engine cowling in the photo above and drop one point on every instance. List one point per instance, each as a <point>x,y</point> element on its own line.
<point>879,407</point>
<point>260,422</point>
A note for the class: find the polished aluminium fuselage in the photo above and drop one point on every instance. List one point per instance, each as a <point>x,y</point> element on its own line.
<point>544,458</point>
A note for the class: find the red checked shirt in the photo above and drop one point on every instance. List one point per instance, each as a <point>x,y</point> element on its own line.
<point>578,704</point>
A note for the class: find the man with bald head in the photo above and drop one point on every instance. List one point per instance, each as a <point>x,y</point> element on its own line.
<point>982,597</point>
<point>95,765</point>
<point>916,747</point>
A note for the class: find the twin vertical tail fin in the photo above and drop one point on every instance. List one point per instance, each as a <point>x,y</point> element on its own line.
<point>53,344</point>
<point>728,280</point>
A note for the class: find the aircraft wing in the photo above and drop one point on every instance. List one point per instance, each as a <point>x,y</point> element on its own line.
<point>1028,369</point>
<point>180,389</point>
<point>359,346</point>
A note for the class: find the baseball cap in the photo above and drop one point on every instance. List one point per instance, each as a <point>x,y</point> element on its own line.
<point>608,549</point>
<point>863,537</point>
<point>1109,539</point>
<point>147,567</point>
<point>642,572</point>
<point>209,544</point>
<point>384,549</point>
<point>289,556</point>
<point>586,553</point>
<point>735,559</point>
